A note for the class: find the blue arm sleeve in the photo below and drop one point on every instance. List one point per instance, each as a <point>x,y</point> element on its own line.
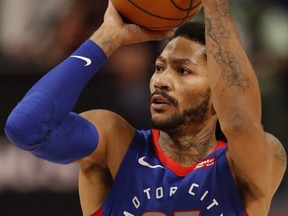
<point>42,122</point>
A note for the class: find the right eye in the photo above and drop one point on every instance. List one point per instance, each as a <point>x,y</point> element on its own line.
<point>158,68</point>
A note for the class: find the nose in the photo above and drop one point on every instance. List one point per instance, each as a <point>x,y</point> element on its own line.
<point>162,80</point>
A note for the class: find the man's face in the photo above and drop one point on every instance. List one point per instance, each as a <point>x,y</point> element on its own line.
<point>180,91</point>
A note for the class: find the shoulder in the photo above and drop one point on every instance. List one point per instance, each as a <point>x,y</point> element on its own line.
<point>110,126</point>
<point>100,115</point>
<point>107,122</point>
<point>279,163</point>
<point>278,149</point>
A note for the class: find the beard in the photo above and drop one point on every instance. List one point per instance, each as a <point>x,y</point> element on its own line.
<point>196,115</point>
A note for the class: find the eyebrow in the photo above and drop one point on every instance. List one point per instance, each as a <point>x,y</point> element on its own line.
<point>177,60</point>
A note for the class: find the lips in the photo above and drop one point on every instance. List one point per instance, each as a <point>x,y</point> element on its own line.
<point>159,99</point>
<point>159,102</point>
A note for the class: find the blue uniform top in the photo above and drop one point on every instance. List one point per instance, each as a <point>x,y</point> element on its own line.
<point>149,183</point>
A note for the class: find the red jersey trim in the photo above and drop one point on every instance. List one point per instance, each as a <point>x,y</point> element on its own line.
<point>100,213</point>
<point>172,165</point>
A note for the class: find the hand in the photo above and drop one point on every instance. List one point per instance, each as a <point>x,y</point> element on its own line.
<point>114,33</point>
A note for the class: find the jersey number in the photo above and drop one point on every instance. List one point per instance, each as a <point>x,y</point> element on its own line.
<point>182,213</point>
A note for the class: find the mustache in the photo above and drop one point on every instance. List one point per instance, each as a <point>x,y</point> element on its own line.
<point>164,94</point>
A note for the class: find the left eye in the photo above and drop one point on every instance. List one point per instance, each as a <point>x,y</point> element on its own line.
<point>183,71</point>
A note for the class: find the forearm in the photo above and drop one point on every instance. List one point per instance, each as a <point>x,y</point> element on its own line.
<point>65,82</point>
<point>234,86</point>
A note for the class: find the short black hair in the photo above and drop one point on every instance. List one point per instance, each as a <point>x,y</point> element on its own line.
<point>194,31</point>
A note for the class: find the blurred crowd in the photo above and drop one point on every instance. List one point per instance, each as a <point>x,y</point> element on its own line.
<point>36,35</point>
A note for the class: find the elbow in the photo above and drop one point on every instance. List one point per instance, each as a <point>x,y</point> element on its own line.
<point>28,123</point>
<point>18,129</point>
<point>15,131</point>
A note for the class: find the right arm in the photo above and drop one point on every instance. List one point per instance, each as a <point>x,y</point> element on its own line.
<point>42,122</point>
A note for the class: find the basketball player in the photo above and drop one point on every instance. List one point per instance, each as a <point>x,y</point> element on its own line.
<point>177,168</point>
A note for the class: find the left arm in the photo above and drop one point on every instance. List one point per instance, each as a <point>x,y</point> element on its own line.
<point>236,99</point>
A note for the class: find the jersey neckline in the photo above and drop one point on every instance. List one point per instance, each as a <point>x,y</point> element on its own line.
<point>171,164</point>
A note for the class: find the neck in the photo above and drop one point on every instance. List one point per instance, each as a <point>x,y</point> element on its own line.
<point>188,147</point>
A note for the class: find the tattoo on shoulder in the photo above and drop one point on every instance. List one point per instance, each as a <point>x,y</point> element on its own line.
<point>227,61</point>
<point>280,153</point>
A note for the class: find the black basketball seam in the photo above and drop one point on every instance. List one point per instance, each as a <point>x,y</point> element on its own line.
<point>160,17</point>
<point>187,14</point>
<point>166,27</point>
<point>185,9</point>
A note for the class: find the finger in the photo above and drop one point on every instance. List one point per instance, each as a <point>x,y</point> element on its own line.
<point>159,35</point>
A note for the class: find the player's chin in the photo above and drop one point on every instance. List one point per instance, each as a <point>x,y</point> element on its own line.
<point>159,115</point>
<point>157,121</point>
<point>160,122</point>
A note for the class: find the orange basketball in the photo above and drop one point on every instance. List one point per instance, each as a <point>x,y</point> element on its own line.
<point>158,14</point>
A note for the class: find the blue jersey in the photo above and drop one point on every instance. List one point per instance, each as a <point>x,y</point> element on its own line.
<point>149,183</point>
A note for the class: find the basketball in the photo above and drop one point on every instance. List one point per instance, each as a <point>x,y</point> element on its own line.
<point>158,14</point>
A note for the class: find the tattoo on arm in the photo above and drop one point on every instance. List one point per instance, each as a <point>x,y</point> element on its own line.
<point>223,8</point>
<point>108,44</point>
<point>231,71</point>
<point>227,61</point>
